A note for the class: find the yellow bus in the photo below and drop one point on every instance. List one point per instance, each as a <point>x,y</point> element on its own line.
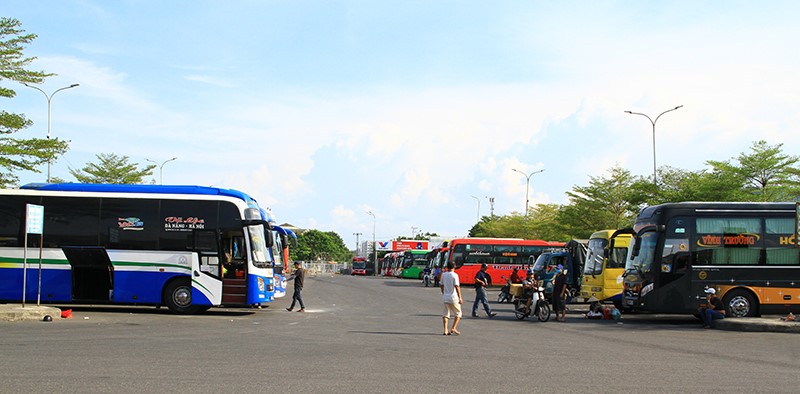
<point>605,264</point>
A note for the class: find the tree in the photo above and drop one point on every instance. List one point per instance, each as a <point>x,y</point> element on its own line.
<point>607,203</point>
<point>541,223</point>
<point>20,154</point>
<point>112,169</point>
<point>315,245</point>
<point>767,174</point>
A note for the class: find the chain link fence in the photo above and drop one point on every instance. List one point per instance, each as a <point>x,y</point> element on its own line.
<point>326,268</point>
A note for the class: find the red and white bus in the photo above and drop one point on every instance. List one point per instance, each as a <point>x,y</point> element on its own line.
<point>500,254</point>
<point>359,266</point>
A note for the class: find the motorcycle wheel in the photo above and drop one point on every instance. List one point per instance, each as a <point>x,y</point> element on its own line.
<point>519,315</point>
<point>501,297</point>
<point>543,314</point>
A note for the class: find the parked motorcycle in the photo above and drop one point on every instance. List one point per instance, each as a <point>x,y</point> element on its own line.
<point>427,277</point>
<point>505,293</point>
<point>539,306</point>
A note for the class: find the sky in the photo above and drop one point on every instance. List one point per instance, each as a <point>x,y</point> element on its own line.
<point>416,111</point>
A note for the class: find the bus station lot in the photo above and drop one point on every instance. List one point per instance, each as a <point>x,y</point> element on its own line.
<point>370,334</point>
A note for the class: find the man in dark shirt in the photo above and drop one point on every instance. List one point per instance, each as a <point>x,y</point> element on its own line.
<point>713,310</point>
<point>298,276</point>
<point>560,294</point>
<point>481,281</point>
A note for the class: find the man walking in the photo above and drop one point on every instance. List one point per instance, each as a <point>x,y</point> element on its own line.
<point>451,296</point>
<point>481,281</point>
<point>298,276</point>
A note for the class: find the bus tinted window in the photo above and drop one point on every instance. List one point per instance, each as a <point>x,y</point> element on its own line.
<point>777,239</point>
<point>728,241</point>
<point>70,221</point>
<point>12,212</point>
<point>133,223</point>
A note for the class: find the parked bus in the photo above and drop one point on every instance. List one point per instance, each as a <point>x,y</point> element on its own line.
<point>280,251</point>
<point>746,251</point>
<point>414,263</point>
<point>186,247</point>
<point>605,264</point>
<point>501,255</point>
<point>359,266</point>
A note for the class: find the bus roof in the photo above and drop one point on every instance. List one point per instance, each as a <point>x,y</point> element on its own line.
<point>155,189</point>
<point>505,241</point>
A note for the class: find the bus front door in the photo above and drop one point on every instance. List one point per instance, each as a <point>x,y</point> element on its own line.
<point>206,283</point>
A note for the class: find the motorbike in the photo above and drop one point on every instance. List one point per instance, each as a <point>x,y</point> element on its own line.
<point>427,277</point>
<point>539,306</point>
<point>505,293</point>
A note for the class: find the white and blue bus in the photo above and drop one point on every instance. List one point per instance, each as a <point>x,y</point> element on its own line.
<point>186,247</point>
<point>279,251</point>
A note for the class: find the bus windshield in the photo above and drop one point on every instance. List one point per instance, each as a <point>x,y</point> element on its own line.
<point>644,260</point>
<point>595,256</point>
<point>359,264</point>
<point>259,246</point>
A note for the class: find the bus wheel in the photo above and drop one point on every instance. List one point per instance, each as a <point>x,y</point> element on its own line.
<point>421,274</point>
<point>740,303</point>
<point>178,296</point>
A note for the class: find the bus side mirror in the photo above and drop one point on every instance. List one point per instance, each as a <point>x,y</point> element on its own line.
<point>636,247</point>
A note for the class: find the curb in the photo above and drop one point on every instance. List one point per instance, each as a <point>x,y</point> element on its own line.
<point>15,312</point>
<point>757,324</point>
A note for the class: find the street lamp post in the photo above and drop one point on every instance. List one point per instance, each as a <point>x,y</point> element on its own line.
<point>478,218</point>
<point>161,168</point>
<point>653,122</point>
<point>49,101</point>
<point>527,185</point>
<point>374,246</point>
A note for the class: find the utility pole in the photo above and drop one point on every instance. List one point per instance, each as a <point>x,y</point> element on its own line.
<point>357,244</point>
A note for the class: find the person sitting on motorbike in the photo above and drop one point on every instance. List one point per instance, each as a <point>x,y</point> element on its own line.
<point>515,278</point>
<point>529,286</point>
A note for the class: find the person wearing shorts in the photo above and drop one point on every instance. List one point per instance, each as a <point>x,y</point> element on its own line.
<point>451,297</point>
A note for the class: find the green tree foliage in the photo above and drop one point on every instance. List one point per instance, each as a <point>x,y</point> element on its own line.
<point>112,169</point>
<point>315,245</point>
<point>606,203</point>
<point>765,174</point>
<point>541,223</point>
<point>20,154</point>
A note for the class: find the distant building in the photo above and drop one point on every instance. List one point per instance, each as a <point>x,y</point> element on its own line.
<point>295,229</point>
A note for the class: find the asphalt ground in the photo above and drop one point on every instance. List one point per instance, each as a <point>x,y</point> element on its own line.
<point>367,335</point>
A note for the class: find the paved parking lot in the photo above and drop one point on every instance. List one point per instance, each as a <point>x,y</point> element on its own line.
<point>383,335</point>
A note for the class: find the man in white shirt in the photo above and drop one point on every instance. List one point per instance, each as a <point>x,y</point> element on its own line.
<point>451,296</point>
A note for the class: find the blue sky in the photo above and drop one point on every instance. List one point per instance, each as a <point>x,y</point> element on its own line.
<point>324,110</point>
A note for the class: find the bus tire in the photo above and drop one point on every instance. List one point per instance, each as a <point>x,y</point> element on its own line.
<point>421,274</point>
<point>740,303</point>
<point>178,297</point>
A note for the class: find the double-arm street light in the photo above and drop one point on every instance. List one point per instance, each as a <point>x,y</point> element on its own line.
<point>49,100</point>
<point>374,246</point>
<point>161,168</point>
<point>527,185</point>
<point>653,122</point>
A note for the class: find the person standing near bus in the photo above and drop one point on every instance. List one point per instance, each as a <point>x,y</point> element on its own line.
<point>560,294</point>
<point>481,281</point>
<point>714,309</point>
<point>451,296</point>
<point>298,276</point>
